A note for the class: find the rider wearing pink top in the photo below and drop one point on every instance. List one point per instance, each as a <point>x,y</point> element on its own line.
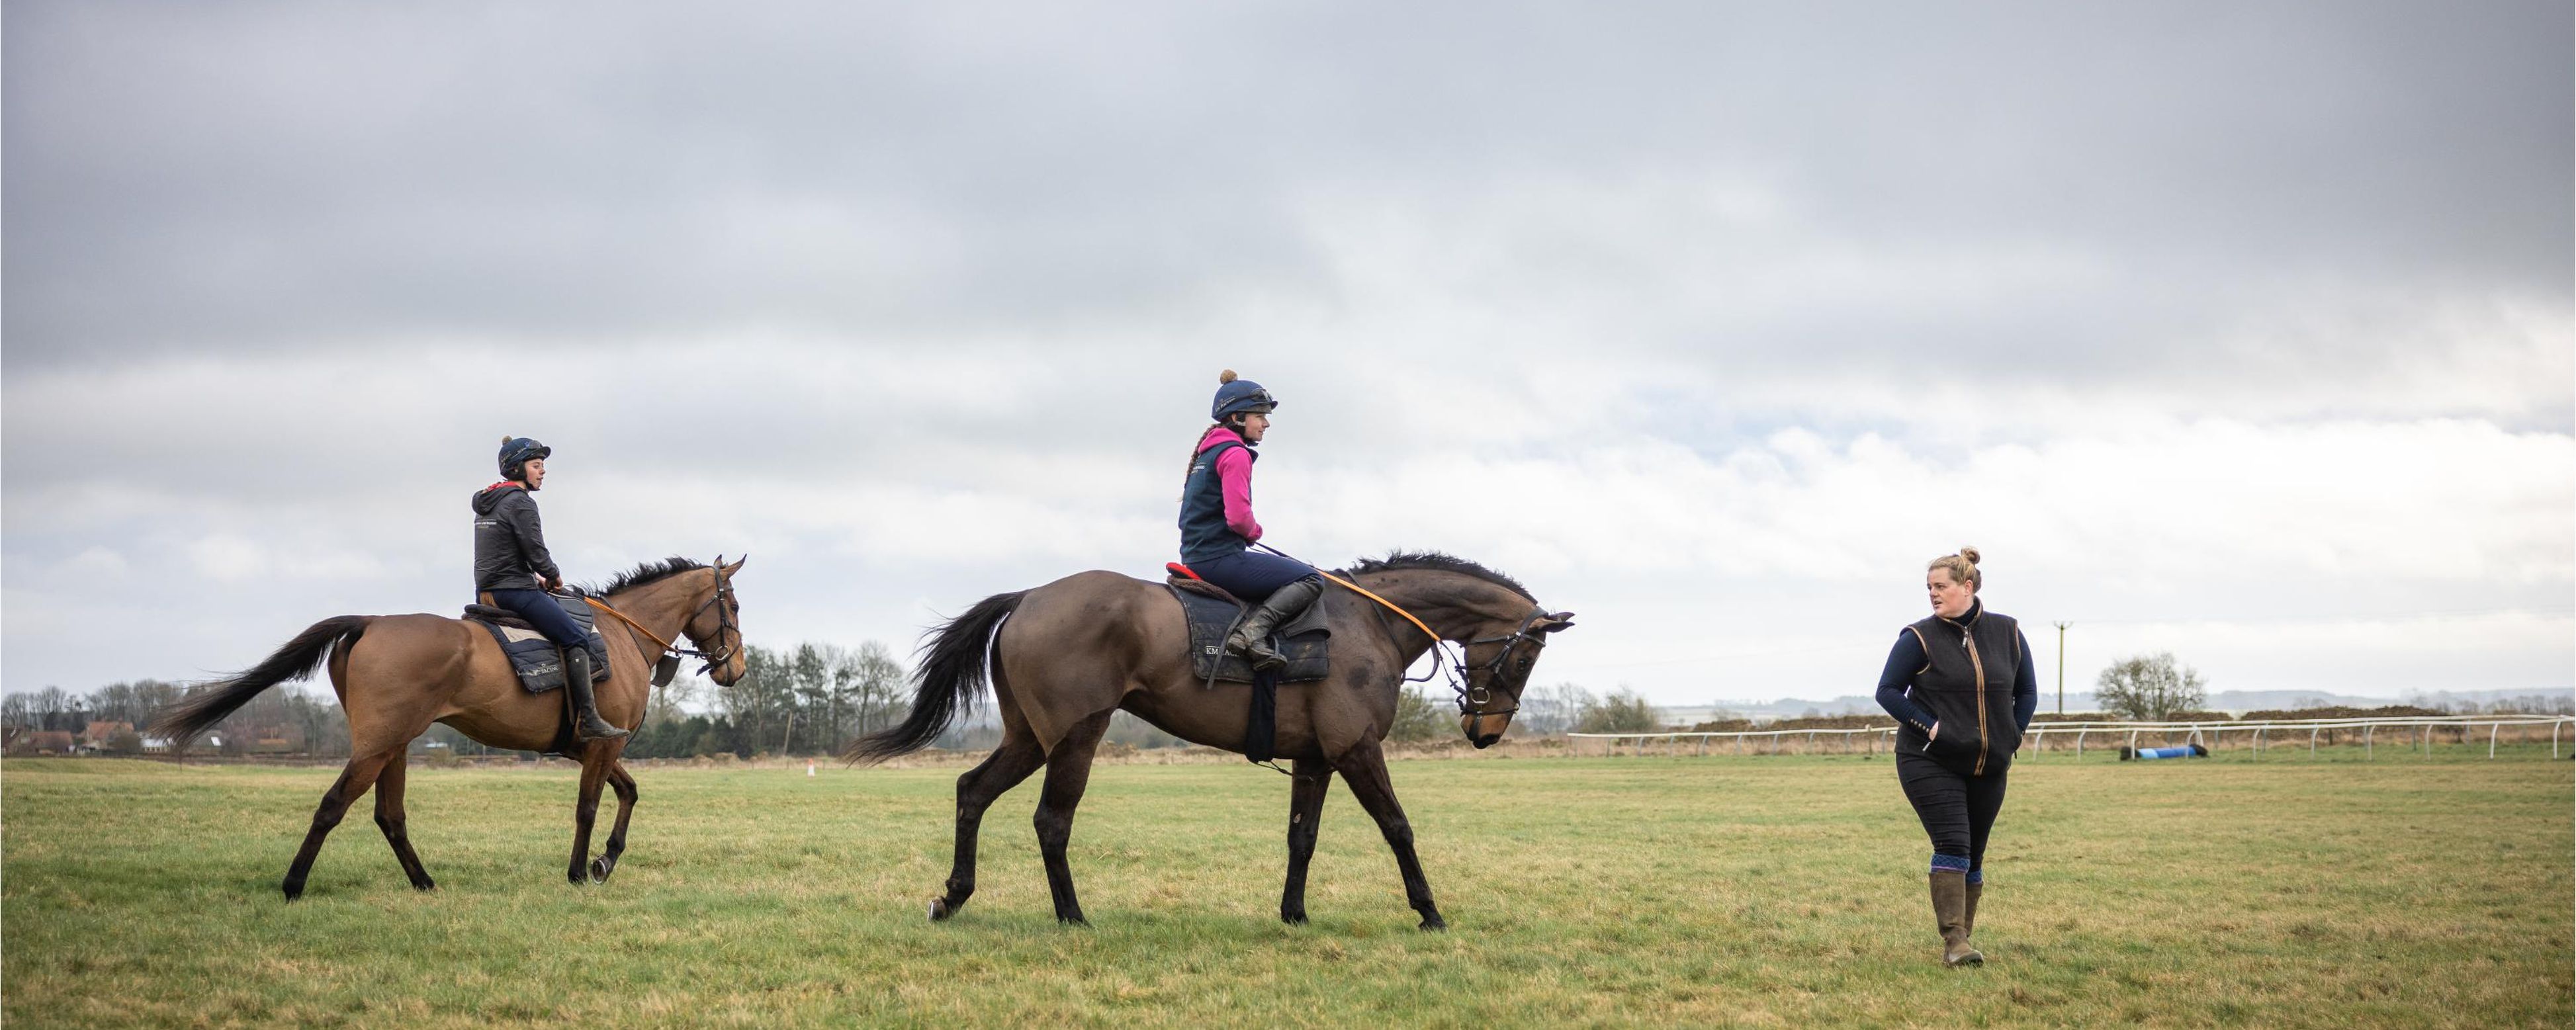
<point>1217,527</point>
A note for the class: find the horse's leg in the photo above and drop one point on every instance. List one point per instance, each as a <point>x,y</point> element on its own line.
<point>389,818</point>
<point>1013,761</point>
<point>1068,771</point>
<point>353,783</point>
<point>1305,807</point>
<point>623,783</point>
<point>595,760</point>
<point>1365,767</point>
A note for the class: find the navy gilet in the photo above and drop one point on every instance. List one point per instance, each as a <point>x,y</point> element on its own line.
<point>1204,534</point>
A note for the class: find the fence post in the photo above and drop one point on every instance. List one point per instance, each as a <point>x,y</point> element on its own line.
<point>2366,731</point>
<point>2258,743</point>
<point>2312,740</point>
<point>2079,744</point>
<point>2491,737</point>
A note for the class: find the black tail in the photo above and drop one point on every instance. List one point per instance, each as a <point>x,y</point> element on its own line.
<point>951,674</point>
<point>208,704</point>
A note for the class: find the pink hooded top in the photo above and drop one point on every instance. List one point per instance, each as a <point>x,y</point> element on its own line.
<point>1234,478</point>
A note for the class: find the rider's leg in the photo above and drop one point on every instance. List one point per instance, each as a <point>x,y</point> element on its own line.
<point>1283,589</point>
<point>542,611</point>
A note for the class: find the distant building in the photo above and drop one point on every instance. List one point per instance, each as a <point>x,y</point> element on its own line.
<point>43,742</point>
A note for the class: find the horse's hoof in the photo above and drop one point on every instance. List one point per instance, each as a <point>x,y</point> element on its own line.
<point>1293,918</point>
<point>1434,924</point>
<point>1073,920</point>
<point>939,909</point>
<point>600,868</point>
<point>425,885</point>
<point>293,890</point>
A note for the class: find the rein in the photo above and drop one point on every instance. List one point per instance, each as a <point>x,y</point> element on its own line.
<point>1472,699</point>
<point>724,621</point>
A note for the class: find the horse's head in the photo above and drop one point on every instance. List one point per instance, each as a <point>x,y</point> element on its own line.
<point>1502,629</point>
<point>1498,663</point>
<point>716,626</point>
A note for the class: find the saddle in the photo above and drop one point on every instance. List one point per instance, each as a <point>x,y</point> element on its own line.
<point>1306,641</point>
<point>532,656</point>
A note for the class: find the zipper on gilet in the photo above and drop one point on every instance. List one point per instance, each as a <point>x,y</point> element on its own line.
<point>1978,664</point>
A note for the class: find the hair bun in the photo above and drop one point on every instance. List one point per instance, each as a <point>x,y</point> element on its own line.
<point>1969,553</point>
<point>1225,377</point>
<point>505,439</point>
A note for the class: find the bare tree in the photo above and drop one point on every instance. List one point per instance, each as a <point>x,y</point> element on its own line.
<point>2149,687</point>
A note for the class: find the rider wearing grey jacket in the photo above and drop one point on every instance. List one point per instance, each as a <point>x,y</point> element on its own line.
<point>512,566</point>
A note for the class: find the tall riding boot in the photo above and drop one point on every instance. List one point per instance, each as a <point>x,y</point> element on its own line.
<point>1251,637</point>
<point>1968,921</point>
<point>1950,908</point>
<point>587,724</point>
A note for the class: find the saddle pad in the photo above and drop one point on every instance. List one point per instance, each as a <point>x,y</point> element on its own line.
<point>1305,641</point>
<point>532,656</point>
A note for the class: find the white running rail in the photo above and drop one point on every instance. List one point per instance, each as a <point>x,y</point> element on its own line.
<point>2259,733</point>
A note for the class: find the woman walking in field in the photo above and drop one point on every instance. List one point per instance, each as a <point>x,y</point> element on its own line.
<point>1962,690</point>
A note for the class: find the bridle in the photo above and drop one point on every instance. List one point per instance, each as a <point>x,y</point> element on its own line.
<point>1473,698</point>
<point>722,601</point>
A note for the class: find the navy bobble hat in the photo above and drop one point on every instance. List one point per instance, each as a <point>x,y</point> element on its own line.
<point>1239,395</point>
<point>517,450</point>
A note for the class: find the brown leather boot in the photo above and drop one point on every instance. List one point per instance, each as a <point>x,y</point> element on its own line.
<point>1968,921</point>
<point>1950,909</point>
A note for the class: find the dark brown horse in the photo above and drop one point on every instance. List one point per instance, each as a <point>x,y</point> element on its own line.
<point>1072,652</point>
<point>397,674</point>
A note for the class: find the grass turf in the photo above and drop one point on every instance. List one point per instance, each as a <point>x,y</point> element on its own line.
<point>1734,891</point>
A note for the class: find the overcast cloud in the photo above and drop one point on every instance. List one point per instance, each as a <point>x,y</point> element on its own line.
<point>2243,332</point>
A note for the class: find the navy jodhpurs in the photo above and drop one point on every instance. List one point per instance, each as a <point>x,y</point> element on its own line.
<point>545,613</point>
<point>1251,575</point>
<point>1958,812</point>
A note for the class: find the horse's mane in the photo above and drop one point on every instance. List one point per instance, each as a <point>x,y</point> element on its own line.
<point>1396,561</point>
<point>646,573</point>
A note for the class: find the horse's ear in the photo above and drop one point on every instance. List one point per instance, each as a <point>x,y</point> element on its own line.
<point>1554,622</point>
<point>736,566</point>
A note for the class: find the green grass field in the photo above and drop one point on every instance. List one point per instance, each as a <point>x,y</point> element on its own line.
<point>1760,891</point>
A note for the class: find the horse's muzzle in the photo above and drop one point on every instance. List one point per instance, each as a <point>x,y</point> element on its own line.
<point>1483,730</point>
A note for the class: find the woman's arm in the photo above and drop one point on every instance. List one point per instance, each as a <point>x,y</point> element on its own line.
<point>1234,477</point>
<point>2025,685</point>
<point>1903,662</point>
<point>521,513</point>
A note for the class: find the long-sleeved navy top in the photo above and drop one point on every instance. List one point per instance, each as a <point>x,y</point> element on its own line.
<point>1896,681</point>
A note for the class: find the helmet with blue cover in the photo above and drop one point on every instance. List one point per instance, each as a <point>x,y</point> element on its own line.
<point>517,451</point>
<point>1240,396</point>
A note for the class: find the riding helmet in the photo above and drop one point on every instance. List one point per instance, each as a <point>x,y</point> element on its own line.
<point>516,451</point>
<point>1240,395</point>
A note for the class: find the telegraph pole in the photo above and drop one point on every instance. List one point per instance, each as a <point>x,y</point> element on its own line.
<point>2061,667</point>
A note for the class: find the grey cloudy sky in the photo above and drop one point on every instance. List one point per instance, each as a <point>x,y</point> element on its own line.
<point>2238,330</point>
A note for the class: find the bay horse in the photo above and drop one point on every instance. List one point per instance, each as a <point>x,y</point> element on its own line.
<point>1065,656</point>
<point>397,674</point>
